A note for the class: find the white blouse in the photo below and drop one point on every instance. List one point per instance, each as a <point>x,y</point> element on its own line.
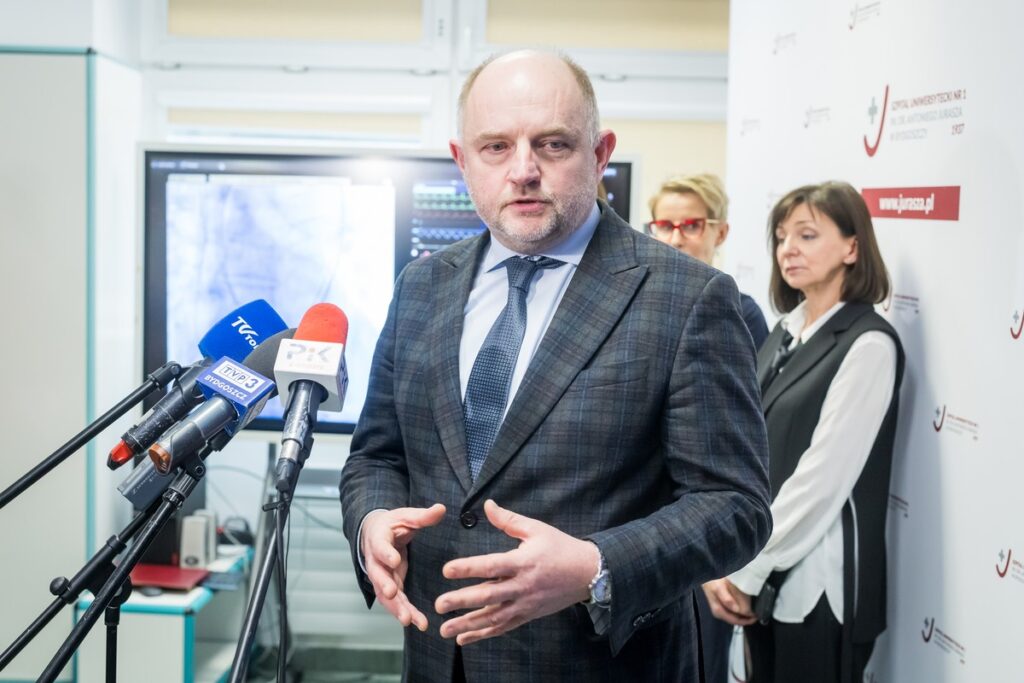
<point>808,532</point>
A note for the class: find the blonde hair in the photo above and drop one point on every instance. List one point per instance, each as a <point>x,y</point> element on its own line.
<point>707,186</point>
<point>590,112</point>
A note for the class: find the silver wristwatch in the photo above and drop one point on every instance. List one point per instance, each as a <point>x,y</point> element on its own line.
<point>601,584</point>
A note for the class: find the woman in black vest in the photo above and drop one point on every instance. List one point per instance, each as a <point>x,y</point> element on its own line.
<point>830,373</point>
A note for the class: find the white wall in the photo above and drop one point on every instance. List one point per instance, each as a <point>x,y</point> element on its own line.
<point>46,23</point>
<point>117,356</point>
<point>806,91</point>
<point>43,277</point>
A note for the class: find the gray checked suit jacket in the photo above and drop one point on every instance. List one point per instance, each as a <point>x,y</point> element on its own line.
<point>638,425</point>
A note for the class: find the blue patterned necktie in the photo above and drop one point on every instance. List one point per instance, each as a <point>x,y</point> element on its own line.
<point>491,376</point>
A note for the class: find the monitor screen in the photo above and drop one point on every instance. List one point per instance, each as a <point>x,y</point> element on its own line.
<point>225,228</point>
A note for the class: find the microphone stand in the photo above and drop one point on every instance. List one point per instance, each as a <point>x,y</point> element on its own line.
<point>274,556</point>
<point>158,379</point>
<point>192,472</point>
<point>90,577</point>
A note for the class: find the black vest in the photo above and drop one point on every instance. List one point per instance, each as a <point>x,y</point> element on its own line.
<point>792,407</point>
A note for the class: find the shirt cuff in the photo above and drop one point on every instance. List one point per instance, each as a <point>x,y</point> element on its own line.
<point>751,578</point>
<point>601,616</point>
<point>359,539</point>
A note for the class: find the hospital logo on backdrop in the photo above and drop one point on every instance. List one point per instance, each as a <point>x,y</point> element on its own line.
<point>929,116</point>
<point>1017,324</point>
<point>939,636</point>
<point>816,116</point>
<point>946,420</point>
<point>876,123</point>
<point>783,42</point>
<point>749,127</point>
<point>1009,566</point>
<point>863,11</point>
<point>905,304</point>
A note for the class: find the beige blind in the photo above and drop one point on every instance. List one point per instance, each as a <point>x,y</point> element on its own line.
<point>393,21</point>
<point>637,24</point>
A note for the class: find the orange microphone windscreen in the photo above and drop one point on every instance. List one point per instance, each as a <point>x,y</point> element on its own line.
<point>323,323</point>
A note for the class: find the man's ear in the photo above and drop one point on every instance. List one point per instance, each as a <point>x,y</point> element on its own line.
<point>603,150</point>
<point>460,158</point>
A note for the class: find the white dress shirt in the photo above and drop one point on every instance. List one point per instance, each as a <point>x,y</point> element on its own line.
<point>808,532</point>
<point>490,293</point>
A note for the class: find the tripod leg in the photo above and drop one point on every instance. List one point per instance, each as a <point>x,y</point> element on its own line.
<point>111,620</point>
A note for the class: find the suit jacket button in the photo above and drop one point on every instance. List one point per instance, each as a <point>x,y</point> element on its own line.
<point>468,519</point>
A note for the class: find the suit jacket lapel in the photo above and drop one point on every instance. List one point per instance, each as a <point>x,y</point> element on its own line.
<point>601,289</point>
<point>452,282</point>
<point>812,352</point>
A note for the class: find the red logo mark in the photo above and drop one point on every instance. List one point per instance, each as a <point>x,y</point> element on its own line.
<point>1006,566</point>
<point>938,427</point>
<point>871,149</point>
<point>929,624</point>
<point>1020,326</point>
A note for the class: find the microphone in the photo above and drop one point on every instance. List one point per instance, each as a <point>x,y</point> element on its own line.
<point>311,374</point>
<point>145,484</point>
<point>235,335</point>
<point>235,394</point>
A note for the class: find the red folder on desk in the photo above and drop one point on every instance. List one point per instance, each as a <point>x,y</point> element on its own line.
<point>167,576</point>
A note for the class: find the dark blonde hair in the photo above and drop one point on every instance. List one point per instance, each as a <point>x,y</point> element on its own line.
<point>866,280</point>
<point>707,186</point>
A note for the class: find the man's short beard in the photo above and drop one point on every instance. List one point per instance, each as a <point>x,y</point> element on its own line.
<point>560,225</point>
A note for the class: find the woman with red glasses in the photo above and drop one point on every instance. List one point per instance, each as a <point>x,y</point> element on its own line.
<point>689,213</point>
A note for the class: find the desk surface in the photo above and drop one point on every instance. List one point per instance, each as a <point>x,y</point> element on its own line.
<point>229,558</point>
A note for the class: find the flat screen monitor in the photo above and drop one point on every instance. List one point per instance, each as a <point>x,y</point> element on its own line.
<point>223,228</point>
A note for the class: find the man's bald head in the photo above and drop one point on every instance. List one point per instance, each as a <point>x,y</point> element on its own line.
<point>558,60</point>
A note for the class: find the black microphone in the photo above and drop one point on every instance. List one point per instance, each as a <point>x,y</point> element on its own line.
<point>233,336</point>
<point>146,483</point>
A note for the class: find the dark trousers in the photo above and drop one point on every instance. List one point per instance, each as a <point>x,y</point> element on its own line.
<point>715,637</point>
<point>458,672</point>
<point>809,651</point>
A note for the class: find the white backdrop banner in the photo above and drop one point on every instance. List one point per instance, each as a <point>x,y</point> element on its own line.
<point>918,104</point>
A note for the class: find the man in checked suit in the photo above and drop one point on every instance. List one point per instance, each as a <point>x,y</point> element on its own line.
<point>548,464</point>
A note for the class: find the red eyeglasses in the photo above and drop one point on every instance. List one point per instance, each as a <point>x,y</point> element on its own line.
<point>691,227</point>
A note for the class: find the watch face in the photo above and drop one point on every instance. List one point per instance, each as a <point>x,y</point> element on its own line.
<point>602,591</point>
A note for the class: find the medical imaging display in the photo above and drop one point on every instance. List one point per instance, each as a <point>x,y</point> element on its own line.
<point>223,229</point>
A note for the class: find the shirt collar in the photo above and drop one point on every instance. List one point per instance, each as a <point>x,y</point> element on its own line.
<point>794,321</point>
<point>569,250</point>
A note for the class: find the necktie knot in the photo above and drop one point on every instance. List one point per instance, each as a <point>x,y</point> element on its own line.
<point>521,270</point>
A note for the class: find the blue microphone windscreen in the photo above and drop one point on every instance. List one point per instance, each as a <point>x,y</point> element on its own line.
<point>242,330</point>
